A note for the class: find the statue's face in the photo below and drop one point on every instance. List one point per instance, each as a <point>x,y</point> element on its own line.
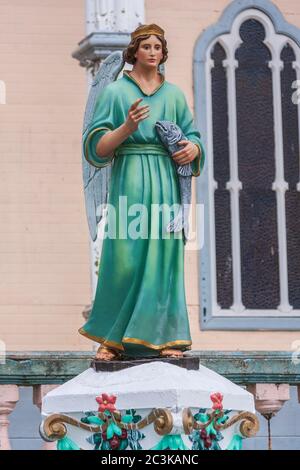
<point>149,52</point>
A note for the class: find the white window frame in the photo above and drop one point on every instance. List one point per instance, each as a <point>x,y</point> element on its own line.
<point>226,32</point>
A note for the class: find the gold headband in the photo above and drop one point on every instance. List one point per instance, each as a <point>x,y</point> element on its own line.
<point>147,29</point>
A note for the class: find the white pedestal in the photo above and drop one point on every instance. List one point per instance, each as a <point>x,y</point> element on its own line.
<point>155,405</point>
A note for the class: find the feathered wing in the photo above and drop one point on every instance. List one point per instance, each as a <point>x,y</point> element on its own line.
<point>96,180</point>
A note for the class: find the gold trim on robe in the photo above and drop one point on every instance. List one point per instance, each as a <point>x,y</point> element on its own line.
<point>198,158</point>
<point>127,73</point>
<point>86,153</point>
<point>126,340</point>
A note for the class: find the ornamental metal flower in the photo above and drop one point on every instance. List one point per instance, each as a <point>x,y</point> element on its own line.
<point>217,399</point>
<point>106,402</point>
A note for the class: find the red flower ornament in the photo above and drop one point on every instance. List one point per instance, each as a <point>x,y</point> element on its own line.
<point>106,402</point>
<point>217,399</point>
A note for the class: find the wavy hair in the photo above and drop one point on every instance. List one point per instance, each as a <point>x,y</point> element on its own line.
<point>128,53</point>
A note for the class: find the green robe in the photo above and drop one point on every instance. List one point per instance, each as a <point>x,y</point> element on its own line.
<point>140,305</point>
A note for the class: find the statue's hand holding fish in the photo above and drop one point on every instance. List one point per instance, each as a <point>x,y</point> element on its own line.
<point>173,138</point>
<point>186,154</point>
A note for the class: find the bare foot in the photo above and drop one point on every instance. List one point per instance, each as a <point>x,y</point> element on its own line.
<point>106,354</point>
<point>169,352</point>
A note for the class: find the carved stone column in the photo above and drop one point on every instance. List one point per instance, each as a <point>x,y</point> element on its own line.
<point>108,27</point>
<point>9,396</point>
<point>114,15</point>
<point>39,391</point>
<point>269,399</point>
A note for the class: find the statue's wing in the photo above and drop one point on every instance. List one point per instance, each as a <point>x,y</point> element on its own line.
<point>96,180</point>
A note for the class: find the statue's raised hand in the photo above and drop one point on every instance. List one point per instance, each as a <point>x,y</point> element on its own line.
<point>136,114</point>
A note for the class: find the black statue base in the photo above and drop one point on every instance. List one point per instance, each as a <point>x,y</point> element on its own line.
<point>187,362</point>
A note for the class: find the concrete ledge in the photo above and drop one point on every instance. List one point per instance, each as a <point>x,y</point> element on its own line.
<point>242,367</point>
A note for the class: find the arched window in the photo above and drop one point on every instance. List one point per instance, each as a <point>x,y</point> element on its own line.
<point>246,69</point>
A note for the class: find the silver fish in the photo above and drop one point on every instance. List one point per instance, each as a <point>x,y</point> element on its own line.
<point>170,134</point>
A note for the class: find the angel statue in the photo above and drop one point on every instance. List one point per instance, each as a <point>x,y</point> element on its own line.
<point>140,307</point>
